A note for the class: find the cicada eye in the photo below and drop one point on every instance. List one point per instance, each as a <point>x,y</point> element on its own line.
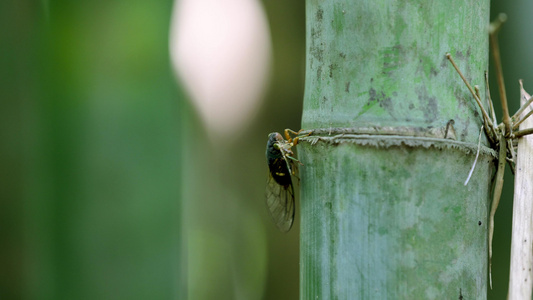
<point>276,146</point>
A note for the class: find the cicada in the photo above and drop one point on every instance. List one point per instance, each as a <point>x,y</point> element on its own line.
<point>282,166</point>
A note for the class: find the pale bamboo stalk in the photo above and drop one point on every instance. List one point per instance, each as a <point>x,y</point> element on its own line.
<point>520,277</point>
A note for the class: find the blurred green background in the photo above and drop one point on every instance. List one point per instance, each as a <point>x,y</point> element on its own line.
<point>90,151</point>
<point>109,186</point>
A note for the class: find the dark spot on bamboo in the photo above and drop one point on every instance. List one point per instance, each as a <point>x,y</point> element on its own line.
<point>315,33</point>
<point>386,103</point>
<point>428,104</point>
<point>444,62</point>
<point>332,68</point>
<point>479,223</point>
<point>347,87</point>
<point>329,205</point>
<point>460,294</point>
<point>317,52</point>
<point>382,100</point>
<point>319,15</point>
<point>316,49</point>
<point>449,129</point>
<point>372,94</point>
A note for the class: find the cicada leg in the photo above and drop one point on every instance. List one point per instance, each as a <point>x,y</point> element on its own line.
<point>294,141</point>
<point>288,136</point>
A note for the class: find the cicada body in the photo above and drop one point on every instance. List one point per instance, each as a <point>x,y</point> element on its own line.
<point>280,190</point>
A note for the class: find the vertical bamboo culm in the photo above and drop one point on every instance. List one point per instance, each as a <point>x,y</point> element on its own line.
<point>384,211</point>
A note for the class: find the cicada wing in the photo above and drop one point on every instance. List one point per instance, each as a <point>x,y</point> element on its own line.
<point>280,202</point>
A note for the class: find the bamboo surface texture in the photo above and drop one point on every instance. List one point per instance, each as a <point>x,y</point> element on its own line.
<point>384,212</point>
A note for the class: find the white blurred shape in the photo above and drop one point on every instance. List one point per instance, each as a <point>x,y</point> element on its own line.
<point>221,50</point>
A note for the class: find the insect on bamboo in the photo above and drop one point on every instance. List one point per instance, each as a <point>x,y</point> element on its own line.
<point>503,137</point>
<point>282,166</point>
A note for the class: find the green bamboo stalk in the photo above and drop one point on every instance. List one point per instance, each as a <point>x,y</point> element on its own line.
<point>384,212</point>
